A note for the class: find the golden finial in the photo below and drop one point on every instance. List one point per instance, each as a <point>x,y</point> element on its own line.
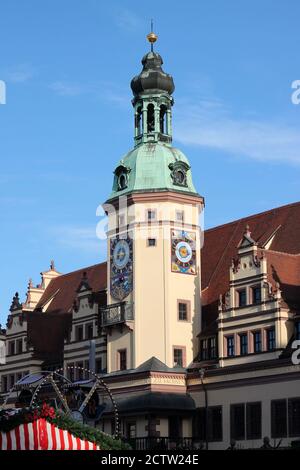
<point>152,37</point>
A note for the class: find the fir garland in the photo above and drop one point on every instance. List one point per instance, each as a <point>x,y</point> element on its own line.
<point>11,419</point>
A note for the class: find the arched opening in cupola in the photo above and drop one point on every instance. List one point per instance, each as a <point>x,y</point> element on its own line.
<point>138,122</point>
<point>150,118</point>
<point>163,119</point>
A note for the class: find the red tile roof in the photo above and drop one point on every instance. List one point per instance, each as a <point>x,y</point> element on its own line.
<point>285,269</point>
<point>220,244</point>
<point>62,290</point>
<point>46,333</point>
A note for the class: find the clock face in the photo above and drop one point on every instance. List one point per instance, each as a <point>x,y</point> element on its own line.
<point>121,254</point>
<point>183,254</point>
<point>121,269</point>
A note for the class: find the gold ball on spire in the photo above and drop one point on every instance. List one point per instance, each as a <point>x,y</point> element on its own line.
<point>152,37</point>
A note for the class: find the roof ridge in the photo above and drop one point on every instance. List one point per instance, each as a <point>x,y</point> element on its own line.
<point>78,270</point>
<point>252,216</point>
<point>292,255</point>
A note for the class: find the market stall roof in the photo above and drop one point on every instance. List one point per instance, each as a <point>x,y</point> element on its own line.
<point>29,380</point>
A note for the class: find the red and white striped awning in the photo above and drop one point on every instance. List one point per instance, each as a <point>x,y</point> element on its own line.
<point>41,435</point>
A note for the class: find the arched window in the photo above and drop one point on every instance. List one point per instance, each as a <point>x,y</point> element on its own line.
<point>163,119</point>
<point>150,118</point>
<point>138,122</point>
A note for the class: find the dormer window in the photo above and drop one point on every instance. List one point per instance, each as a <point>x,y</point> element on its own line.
<point>256,295</point>
<point>208,348</point>
<point>122,181</point>
<point>179,171</point>
<point>121,173</point>
<point>242,298</point>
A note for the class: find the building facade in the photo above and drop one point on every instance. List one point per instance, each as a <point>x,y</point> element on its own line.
<point>192,331</point>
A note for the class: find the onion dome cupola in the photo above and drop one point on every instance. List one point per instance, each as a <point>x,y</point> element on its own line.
<point>153,164</point>
<point>152,90</point>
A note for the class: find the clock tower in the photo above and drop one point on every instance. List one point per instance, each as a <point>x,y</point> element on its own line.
<point>153,237</point>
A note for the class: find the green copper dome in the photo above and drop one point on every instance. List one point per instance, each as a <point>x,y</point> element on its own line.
<point>153,167</point>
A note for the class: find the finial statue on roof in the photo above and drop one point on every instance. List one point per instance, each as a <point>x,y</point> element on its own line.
<point>152,37</point>
<point>16,305</point>
<point>30,284</point>
<point>247,231</point>
<point>52,265</point>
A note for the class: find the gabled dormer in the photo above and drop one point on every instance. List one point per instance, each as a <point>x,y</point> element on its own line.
<point>35,292</point>
<point>251,322</point>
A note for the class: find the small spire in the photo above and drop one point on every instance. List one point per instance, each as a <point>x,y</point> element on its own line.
<point>16,305</point>
<point>152,37</point>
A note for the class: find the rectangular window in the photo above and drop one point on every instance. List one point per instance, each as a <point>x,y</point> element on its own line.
<point>70,372</point>
<point>297,330</point>
<point>182,311</point>
<point>242,296</point>
<point>19,346</point>
<point>175,426</point>
<point>79,333</point>
<point>99,365</point>
<point>253,420</point>
<point>179,216</point>
<point>19,376</point>
<point>86,374</point>
<point>214,427</point>
<point>257,341</point>
<point>237,422</point>
<point>11,348</point>
<point>4,384</point>
<point>294,417</point>
<point>271,339</point>
<point>204,350</point>
<point>243,344</point>
<point>230,346</point>
<point>131,430</point>
<point>256,295</point>
<point>122,359</point>
<point>80,372</point>
<point>151,242</point>
<point>89,333</point>
<point>151,214</point>
<point>215,424</point>
<point>278,418</point>
<point>208,348</point>
<point>11,380</point>
<point>212,347</point>
<point>199,427</point>
<point>178,357</point>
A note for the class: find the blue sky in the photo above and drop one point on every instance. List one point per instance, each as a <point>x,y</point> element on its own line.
<point>67,65</point>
